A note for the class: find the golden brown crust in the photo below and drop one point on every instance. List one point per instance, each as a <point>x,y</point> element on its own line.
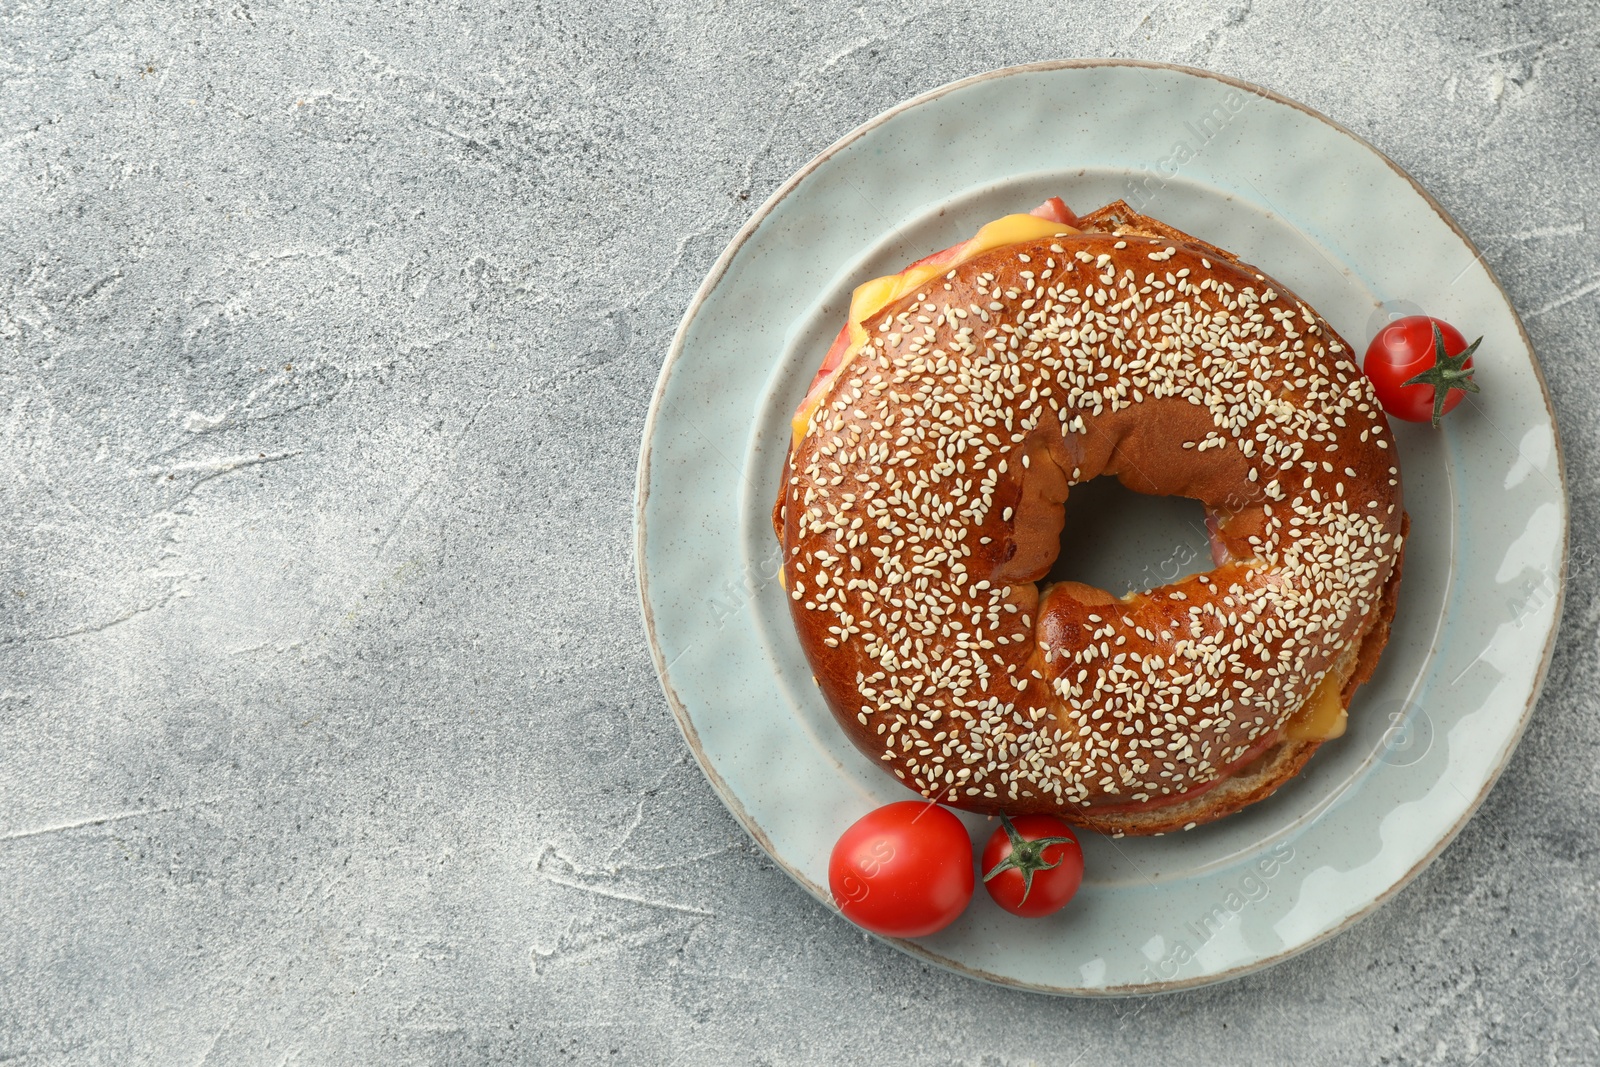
<point>925,501</point>
<point>1263,776</point>
<point>1118,217</point>
<point>1377,638</point>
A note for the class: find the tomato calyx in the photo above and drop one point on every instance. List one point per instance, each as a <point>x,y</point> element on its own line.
<point>1448,372</point>
<point>1026,857</point>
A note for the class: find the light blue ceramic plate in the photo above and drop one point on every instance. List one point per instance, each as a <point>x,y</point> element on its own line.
<point>1289,191</point>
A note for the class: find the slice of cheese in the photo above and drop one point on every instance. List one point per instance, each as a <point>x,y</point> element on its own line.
<point>1323,716</point>
<point>872,297</point>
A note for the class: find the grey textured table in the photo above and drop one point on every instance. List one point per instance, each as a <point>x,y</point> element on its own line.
<point>327,728</point>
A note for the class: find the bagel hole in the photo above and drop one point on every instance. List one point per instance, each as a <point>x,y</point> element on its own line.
<point>1126,542</point>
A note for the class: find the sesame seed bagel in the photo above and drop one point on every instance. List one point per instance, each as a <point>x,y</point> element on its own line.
<point>923,504</point>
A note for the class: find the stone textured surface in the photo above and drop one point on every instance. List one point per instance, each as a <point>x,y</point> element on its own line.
<point>327,729</point>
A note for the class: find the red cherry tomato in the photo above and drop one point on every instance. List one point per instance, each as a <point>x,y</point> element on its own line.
<point>1032,865</point>
<point>1407,349</point>
<point>904,870</point>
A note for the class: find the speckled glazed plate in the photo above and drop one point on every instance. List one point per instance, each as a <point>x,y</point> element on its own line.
<point>1289,191</point>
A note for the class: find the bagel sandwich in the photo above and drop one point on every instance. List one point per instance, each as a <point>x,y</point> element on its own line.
<point>922,503</point>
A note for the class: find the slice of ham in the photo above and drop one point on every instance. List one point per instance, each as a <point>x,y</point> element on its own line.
<point>1055,210</point>
<point>830,363</point>
<point>1219,550</point>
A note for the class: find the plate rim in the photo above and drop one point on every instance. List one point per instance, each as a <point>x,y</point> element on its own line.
<point>675,351</point>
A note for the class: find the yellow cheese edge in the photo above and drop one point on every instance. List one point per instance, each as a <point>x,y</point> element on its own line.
<point>871,297</point>
<point>1323,716</point>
